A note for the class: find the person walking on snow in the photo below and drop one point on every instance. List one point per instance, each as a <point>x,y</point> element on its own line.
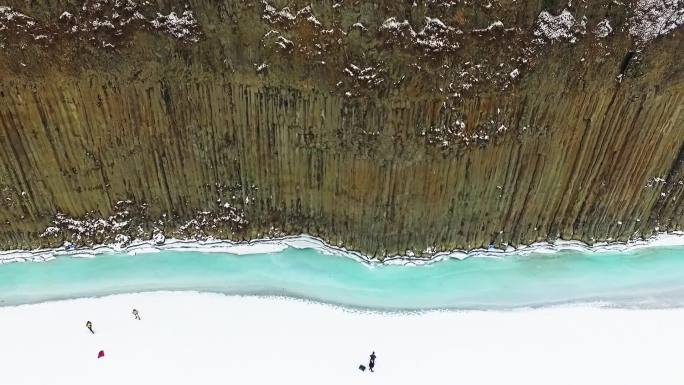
<point>371,364</point>
<point>89,325</point>
<point>135,313</point>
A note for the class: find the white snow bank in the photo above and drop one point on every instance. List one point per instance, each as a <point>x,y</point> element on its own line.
<point>193,338</point>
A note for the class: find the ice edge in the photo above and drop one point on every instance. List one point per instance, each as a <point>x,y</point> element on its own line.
<point>303,241</point>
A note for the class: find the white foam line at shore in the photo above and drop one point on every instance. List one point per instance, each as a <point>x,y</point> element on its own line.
<point>275,245</point>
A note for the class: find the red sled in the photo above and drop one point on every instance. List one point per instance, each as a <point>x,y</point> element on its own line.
<point>100,354</point>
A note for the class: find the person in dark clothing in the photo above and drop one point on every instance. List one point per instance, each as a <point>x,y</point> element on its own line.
<point>135,313</point>
<point>89,325</point>
<point>371,364</point>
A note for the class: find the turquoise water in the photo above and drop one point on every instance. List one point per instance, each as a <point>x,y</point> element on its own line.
<point>651,277</point>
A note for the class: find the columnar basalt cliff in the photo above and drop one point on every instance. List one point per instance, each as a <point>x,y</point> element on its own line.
<point>386,126</point>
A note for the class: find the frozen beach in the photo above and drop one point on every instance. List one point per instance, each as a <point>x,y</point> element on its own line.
<point>201,338</point>
<point>213,314</point>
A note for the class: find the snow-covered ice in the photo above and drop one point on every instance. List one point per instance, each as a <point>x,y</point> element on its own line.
<point>195,338</point>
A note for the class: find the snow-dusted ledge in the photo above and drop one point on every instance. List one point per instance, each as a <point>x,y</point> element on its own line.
<point>274,245</point>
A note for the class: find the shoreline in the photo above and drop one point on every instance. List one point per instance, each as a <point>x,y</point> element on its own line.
<point>304,241</point>
<point>583,303</point>
<point>647,275</point>
<point>352,309</point>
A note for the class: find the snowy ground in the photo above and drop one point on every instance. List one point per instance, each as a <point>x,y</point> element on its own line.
<point>192,338</point>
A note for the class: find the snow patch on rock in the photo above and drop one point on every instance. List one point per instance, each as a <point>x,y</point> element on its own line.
<point>159,238</point>
<point>183,27</point>
<point>556,28</point>
<point>272,15</point>
<point>654,18</point>
<point>285,15</point>
<point>8,14</point>
<point>397,28</point>
<point>497,25</point>
<point>603,29</point>
<point>13,23</point>
<point>435,36</point>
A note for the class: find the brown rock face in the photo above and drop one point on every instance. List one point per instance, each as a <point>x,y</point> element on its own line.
<point>383,126</point>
